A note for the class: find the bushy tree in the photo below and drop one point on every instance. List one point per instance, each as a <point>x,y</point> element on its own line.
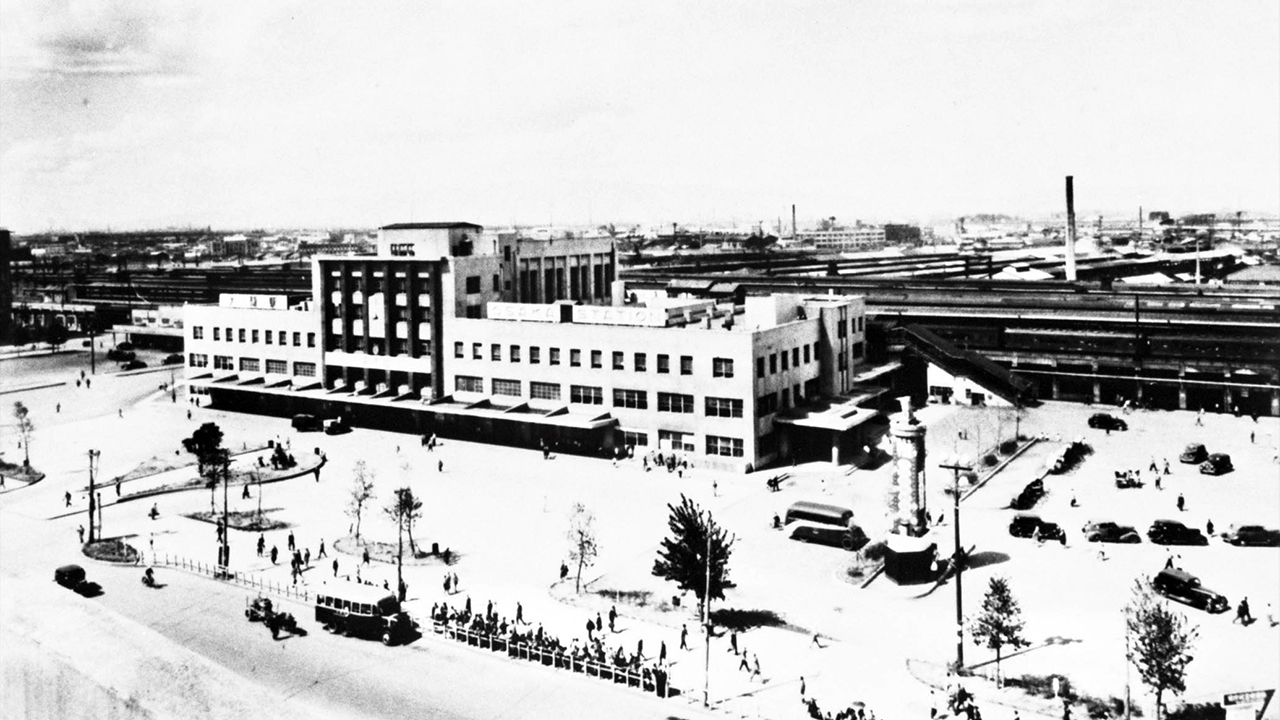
<point>25,427</point>
<point>57,334</point>
<point>360,494</point>
<point>1000,624</point>
<point>582,540</point>
<point>696,543</point>
<point>212,459</point>
<point>1161,643</point>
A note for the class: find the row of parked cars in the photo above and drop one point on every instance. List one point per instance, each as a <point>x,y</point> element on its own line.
<point>1161,532</point>
<point>1210,463</point>
<point>124,354</point>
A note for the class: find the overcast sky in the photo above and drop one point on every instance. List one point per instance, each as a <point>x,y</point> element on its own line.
<point>236,114</point>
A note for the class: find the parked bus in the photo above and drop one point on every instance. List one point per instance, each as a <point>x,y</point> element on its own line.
<point>820,513</point>
<point>361,611</point>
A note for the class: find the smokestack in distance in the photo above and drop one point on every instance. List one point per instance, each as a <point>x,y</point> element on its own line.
<point>1071,230</point>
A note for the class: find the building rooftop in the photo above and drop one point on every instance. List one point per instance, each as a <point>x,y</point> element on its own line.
<point>431,226</point>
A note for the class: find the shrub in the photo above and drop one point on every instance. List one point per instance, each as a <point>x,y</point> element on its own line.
<point>1042,685</point>
<point>875,552</point>
<point>1198,711</point>
<point>1008,446</point>
<point>741,620</point>
<point>990,460</point>
<point>113,550</point>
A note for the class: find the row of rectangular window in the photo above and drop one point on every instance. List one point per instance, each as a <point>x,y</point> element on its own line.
<point>720,367</point>
<point>593,395</point>
<point>715,444</point>
<point>790,358</point>
<point>251,336</point>
<point>274,367</point>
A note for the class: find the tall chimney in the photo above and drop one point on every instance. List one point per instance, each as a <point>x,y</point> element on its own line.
<point>793,221</point>
<point>1071,231</point>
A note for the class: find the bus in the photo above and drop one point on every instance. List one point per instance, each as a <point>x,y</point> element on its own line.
<point>366,611</point>
<point>846,538</point>
<point>819,513</point>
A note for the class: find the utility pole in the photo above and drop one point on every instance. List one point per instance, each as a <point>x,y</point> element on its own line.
<point>1128,660</point>
<point>93,459</point>
<point>93,355</point>
<point>706,624</point>
<point>955,467</point>
<point>224,555</point>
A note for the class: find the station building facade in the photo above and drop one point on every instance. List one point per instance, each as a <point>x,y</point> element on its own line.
<point>425,337</point>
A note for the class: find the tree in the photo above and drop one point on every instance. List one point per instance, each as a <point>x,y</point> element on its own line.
<point>404,509</point>
<point>582,540</point>
<point>211,458</point>
<point>361,493</point>
<point>1000,623</point>
<point>25,428</point>
<point>56,335</point>
<point>697,547</point>
<point>1162,642</point>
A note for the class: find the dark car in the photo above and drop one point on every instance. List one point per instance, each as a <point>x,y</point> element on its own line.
<point>336,427</point>
<point>1172,532</point>
<point>1193,453</point>
<point>1029,496</point>
<point>133,365</point>
<point>69,576</point>
<point>1184,587</point>
<point>1024,525</point>
<point>173,359</point>
<point>119,355</point>
<point>307,423</point>
<point>1216,464</point>
<point>1109,532</point>
<point>847,538</point>
<point>1256,535</point>
<point>1103,421</point>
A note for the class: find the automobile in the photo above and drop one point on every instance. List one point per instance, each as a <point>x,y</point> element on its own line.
<point>1103,421</point>
<point>1193,453</point>
<point>133,365</point>
<point>1181,586</point>
<point>1216,464</point>
<point>1172,532</point>
<point>848,538</point>
<point>126,345</point>
<point>1029,496</point>
<point>1024,525</point>
<point>336,427</point>
<point>69,576</point>
<point>1109,532</point>
<point>173,359</point>
<point>119,355</point>
<point>307,423</point>
<point>1256,535</point>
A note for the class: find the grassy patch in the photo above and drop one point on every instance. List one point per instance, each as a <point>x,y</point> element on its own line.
<point>112,550</point>
<point>243,520</point>
<point>742,620</point>
<point>19,473</point>
<point>638,598</point>
<point>1042,686</point>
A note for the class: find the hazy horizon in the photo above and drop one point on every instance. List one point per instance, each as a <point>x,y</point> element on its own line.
<point>135,115</point>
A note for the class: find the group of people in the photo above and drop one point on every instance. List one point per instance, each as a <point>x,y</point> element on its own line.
<point>513,634</point>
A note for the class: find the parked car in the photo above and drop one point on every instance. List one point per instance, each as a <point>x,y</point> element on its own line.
<point>1029,496</point>
<point>173,359</point>
<point>1172,532</point>
<point>307,423</point>
<point>119,355</point>
<point>69,576</point>
<point>1103,421</point>
<point>1256,535</point>
<point>1193,453</point>
<point>133,365</point>
<point>1109,532</point>
<point>1182,586</point>
<point>336,427</point>
<point>1024,525</point>
<point>1216,464</point>
<point>848,538</point>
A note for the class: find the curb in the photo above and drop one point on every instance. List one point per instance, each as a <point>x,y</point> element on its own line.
<point>996,470</point>
<point>28,388</point>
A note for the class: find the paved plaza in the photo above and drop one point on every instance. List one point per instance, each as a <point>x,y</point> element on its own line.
<point>503,513</point>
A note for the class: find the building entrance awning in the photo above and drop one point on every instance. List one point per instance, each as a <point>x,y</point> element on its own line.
<point>840,415</point>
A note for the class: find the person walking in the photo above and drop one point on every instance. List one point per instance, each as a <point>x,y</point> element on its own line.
<point>80,530</point>
<point>816,637</point>
<point>262,543</point>
<point>591,629</point>
<point>292,547</point>
<point>1182,503</point>
<point>743,664</point>
<point>457,586</point>
<point>613,618</point>
<point>733,641</point>
<point>684,637</point>
<point>1208,528</point>
<point>275,554</point>
<point>335,567</point>
<point>306,557</point>
<point>802,694</point>
<point>321,553</point>
<point>519,613</point>
<point>364,558</point>
<point>1166,466</point>
<point>662,651</point>
<point>440,466</point>
<point>1242,613</point>
<point>67,497</point>
<point>755,669</point>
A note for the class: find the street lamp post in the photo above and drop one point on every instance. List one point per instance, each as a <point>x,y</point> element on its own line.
<point>955,466</point>
<point>706,624</point>
<point>93,460</point>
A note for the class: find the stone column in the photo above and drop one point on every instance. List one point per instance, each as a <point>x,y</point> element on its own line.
<point>908,465</point>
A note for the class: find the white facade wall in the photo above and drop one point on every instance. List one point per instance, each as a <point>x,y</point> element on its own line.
<point>206,340</point>
<point>963,390</point>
